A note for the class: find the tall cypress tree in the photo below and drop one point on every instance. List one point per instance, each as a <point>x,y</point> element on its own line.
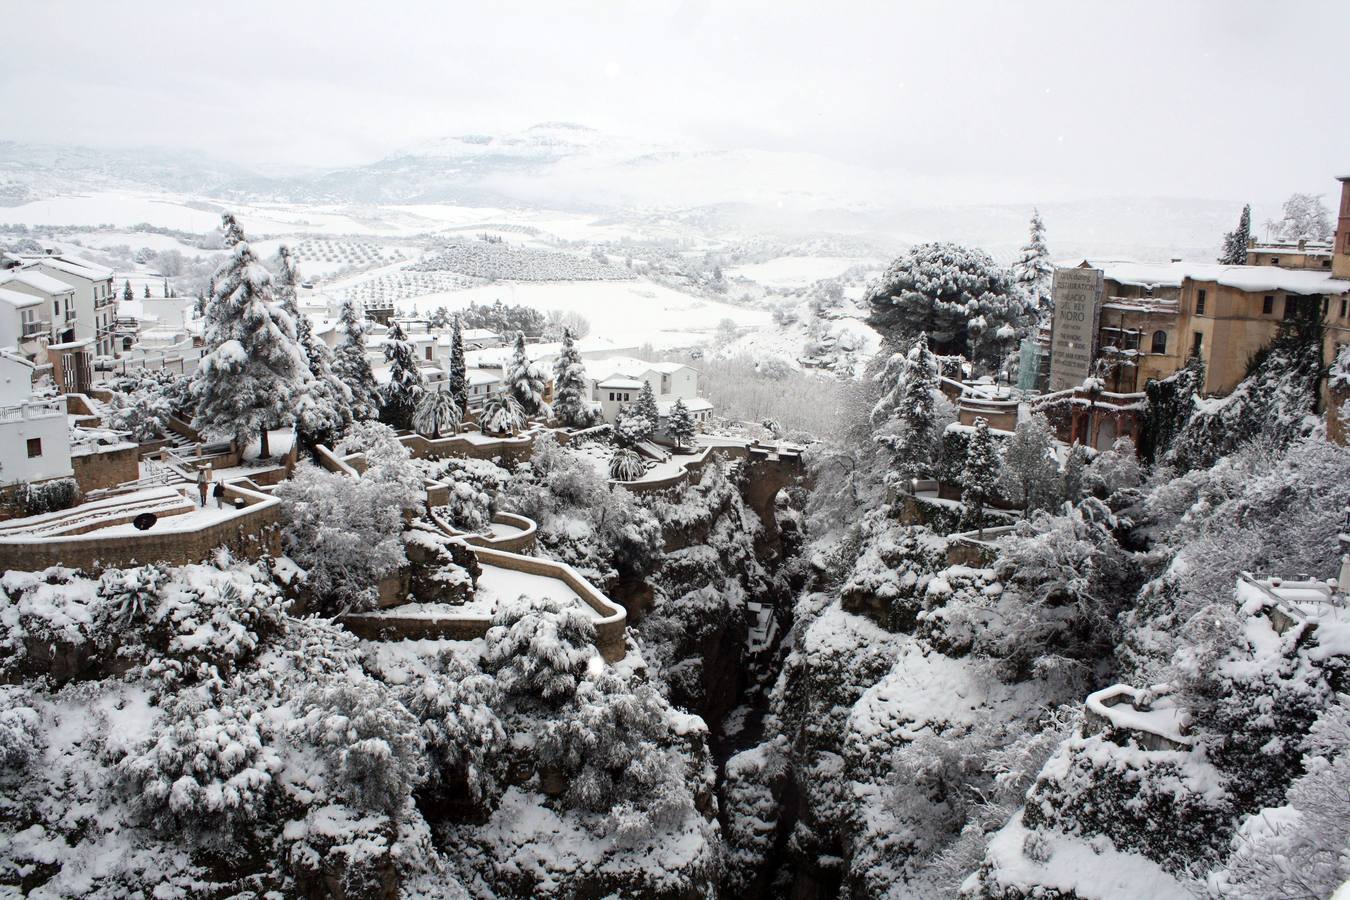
<point>570,404</point>
<point>1034,269</point>
<point>352,366</point>
<point>1235,242</point>
<point>126,291</point>
<point>323,411</point>
<point>404,389</point>
<point>253,368</point>
<point>458,386</point>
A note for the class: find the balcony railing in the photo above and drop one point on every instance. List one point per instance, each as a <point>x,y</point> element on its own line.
<point>34,409</point>
<point>33,329</point>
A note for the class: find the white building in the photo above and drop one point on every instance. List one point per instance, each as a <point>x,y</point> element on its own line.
<point>614,383</point>
<point>94,315</point>
<point>44,322</point>
<point>34,434</point>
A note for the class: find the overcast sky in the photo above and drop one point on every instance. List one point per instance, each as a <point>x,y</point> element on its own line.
<point>1224,99</point>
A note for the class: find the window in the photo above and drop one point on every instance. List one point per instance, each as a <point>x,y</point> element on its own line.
<point>428,353</point>
<point>34,448</point>
<point>1159,342</point>
<point>1197,341</point>
<point>1290,305</point>
<point>1267,304</point>
<point>1274,260</point>
<point>1200,302</point>
<point>611,395</point>
<point>665,384</point>
<point>1345,307</point>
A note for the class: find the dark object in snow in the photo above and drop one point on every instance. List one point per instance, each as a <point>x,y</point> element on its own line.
<point>145,521</point>
<point>238,502</point>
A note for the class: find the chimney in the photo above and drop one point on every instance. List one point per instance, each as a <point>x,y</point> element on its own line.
<point>1340,251</point>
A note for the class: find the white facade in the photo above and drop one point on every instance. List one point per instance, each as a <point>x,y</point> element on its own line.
<point>94,314</point>
<point>615,383</point>
<point>34,434</point>
<point>39,324</point>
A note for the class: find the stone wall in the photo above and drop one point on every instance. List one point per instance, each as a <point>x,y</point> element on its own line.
<point>107,467</point>
<point>250,533</point>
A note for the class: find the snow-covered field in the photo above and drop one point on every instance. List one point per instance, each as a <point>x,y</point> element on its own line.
<point>796,271</point>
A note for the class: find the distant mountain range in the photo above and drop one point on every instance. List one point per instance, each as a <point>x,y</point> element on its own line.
<point>565,166</point>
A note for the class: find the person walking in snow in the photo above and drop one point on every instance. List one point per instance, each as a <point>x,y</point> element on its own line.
<point>201,485</point>
<point>219,494</point>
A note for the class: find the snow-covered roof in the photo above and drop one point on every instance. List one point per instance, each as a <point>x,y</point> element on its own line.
<point>36,280</point>
<point>480,376</point>
<point>18,300</point>
<point>1245,278</point>
<point>693,404</point>
<point>477,334</point>
<point>623,384</point>
<point>73,265</point>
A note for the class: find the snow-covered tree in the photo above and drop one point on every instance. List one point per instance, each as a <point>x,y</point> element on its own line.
<point>254,368</point>
<point>1030,472</point>
<point>458,378</point>
<point>1115,469</point>
<point>525,380</point>
<point>1235,242</point>
<point>436,412</point>
<point>1075,474</point>
<point>502,414</point>
<point>1034,270</point>
<point>631,427</point>
<point>127,295</point>
<point>570,404</point>
<point>958,296</point>
<point>1305,218</point>
<point>911,407</point>
<point>645,405</point>
<point>404,390</point>
<point>680,424</point>
<point>982,472</point>
<point>625,465</point>
<point>352,366</point>
<point>539,651</point>
<point>460,727</point>
<point>345,532</point>
<point>324,408</point>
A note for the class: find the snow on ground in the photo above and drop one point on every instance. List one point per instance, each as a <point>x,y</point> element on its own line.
<point>114,208</point>
<point>630,313</point>
<point>796,271</point>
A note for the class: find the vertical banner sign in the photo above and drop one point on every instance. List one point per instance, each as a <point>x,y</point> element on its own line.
<point>1077,294</point>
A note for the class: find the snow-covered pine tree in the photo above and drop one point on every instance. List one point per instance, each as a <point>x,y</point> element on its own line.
<point>539,652</point>
<point>404,390</point>
<point>913,447</point>
<point>525,380</point>
<point>631,427</point>
<point>982,471</point>
<point>324,409</point>
<point>958,295</point>
<point>680,424</point>
<point>352,366</point>
<point>1075,466</point>
<point>646,404</point>
<point>437,413</point>
<point>1030,472</point>
<point>127,295</point>
<point>1235,242</point>
<point>458,379</point>
<point>253,368</point>
<point>1034,270</point>
<point>570,405</point>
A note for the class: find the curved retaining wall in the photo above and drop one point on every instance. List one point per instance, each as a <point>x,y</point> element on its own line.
<point>516,543</point>
<point>249,533</point>
<point>609,629</point>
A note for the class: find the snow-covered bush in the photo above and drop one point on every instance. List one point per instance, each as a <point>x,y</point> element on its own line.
<point>625,465</point>
<point>44,497</point>
<point>206,773</point>
<point>475,488</point>
<point>617,749</point>
<point>501,415</point>
<point>345,532</point>
<point>539,651</point>
<point>20,729</point>
<point>460,728</point>
<point>372,745</point>
<point>752,797</point>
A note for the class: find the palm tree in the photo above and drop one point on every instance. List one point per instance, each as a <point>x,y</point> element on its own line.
<point>502,414</point>
<point>625,465</point>
<point>437,411</point>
